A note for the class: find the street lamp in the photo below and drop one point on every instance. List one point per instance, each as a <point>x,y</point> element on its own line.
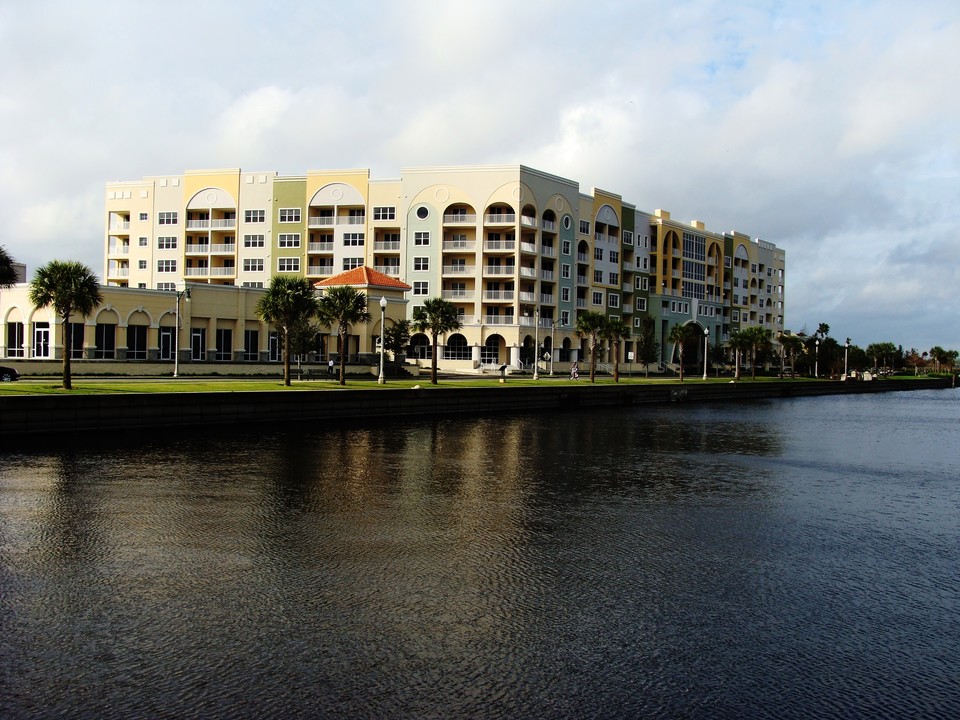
<point>846,354</point>
<point>176,341</point>
<point>706,342</point>
<point>383,308</point>
<point>536,343</point>
<point>816,359</point>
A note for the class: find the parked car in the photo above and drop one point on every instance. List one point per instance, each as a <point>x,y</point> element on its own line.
<point>8,374</point>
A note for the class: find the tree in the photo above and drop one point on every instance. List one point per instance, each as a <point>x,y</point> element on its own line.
<point>71,288</point>
<point>591,325</point>
<point>8,276</point>
<point>678,335</point>
<point>397,338</point>
<point>648,349</point>
<point>740,343</point>
<point>884,351</point>
<point>288,302</point>
<point>436,316</point>
<point>304,337</point>
<point>791,345</point>
<point>340,307</point>
<point>616,331</point>
<point>758,342</point>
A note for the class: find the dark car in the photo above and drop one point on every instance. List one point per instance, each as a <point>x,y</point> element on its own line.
<point>8,374</point>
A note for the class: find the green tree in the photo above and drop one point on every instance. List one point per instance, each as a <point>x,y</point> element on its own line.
<point>304,337</point>
<point>616,331</point>
<point>436,316</point>
<point>882,351</point>
<point>648,349</point>
<point>288,302</point>
<point>340,307</point>
<point>70,288</point>
<point>758,343</point>
<point>591,325</point>
<point>739,342</point>
<point>397,338</point>
<point>791,345</point>
<point>678,336</point>
<point>8,276</point>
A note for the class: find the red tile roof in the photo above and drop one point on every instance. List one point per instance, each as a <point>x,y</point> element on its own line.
<point>364,277</point>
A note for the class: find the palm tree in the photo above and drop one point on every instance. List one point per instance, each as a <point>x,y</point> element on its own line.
<point>647,347</point>
<point>678,335</point>
<point>616,331</point>
<point>342,306</point>
<point>739,342</point>
<point>758,342</point>
<point>288,303</point>
<point>8,276</point>
<point>436,316</point>
<point>591,325</point>
<point>71,288</point>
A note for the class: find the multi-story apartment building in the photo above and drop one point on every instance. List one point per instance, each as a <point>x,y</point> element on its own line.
<point>518,251</point>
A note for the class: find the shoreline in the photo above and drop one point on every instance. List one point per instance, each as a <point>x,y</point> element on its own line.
<point>34,416</point>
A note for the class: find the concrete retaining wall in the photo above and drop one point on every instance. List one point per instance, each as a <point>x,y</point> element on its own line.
<point>55,414</point>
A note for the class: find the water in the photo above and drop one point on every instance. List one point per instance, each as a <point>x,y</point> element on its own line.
<point>795,558</point>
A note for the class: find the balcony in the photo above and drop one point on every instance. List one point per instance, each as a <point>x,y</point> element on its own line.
<point>391,270</point>
<point>197,272</point>
<point>549,225</point>
<point>459,219</point>
<point>383,246</point>
<point>198,249</point>
<point>528,272</point>
<point>548,299</point>
<point>582,258</point>
<point>498,320</point>
<point>528,297</point>
<point>323,247</point>
<point>458,295</point>
<point>582,280</point>
<point>499,295</point>
<point>316,221</point>
<point>528,247</point>
<point>351,220</point>
<point>527,221</point>
<point>459,269</point>
<point>500,245</point>
<point>119,272</point>
<point>119,250</point>
<point>548,251</point>
<point>581,302</point>
<point>120,226</point>
<point>226,248</point>
<point>322,270</point>
<point>500,219</point>
<point>500,270</point>
<point>461,245</point>
<point>547,275</point>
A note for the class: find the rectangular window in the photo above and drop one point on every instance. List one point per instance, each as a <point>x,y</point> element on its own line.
<point>564,318</point>
<point>142,265</point>
<point>584,227</point>
<point>384,213</point>
<point>254,216</point>
<point>143,217</point>
<point>628,237</point>
<point>106,336</point>
<point>288,264</point>
<point>288,240</point>
<point>166,243</point>
<point>353,239</point>
<point>644,263</point>
<point>598,253</point>
<point>198,344</point>
<point>598,277</point>
<point>565,271</point>
<point>289,215</point>
<point>421,288</point>
<point>642,304</point>
<point>421,263</point>
<point>251,345</point>
<point>253,264</point>
<point>144,242</point>
<point>565,294</point>
<point>351,263</point>
<point>224,344</point>
<point>167,218</point>
<point>565,247</point>
<point>251,284</point>
<point>421,239</point>
<point>15,337</point>
<point>598,298</point>
<point>613,300</point>
<point>136,342</point>
<point>614,278</point>
<point>166,266</point>
<point>167,286</point>
<point>614,256</point>
<point>252,241</point>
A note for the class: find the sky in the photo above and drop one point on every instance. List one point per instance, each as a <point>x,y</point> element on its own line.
<point>830,129</point>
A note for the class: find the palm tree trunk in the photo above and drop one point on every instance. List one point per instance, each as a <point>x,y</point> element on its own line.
<point>343,354</point>
<point>433,362</point>
<point>286,356</point>
<point>67,352</point>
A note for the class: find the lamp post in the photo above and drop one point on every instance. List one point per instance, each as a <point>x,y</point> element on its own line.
<point>536,343</point>
<point>816,359</point>
<point>176,339</point>
<point>706,342</point>
<point>383,309</point>
<point>846,354</point>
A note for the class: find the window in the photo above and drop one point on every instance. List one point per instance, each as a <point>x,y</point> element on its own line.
<point>628,237</point>
<point>564,318</point>
<point>565,294</point>
<point>288,264</point>
<point>136,342</point>
<point>644,264</point>
<point>142,286</point>
<point>422,212</point>
<point>254,216</point>
<point>421,263</point>
<point>384,213</point>
<point>106,337</point>
<point>613,300</point>
<point>736,316</point>
<point>143,217</point>
<point>251,345</point>
<point>167,218</point>
<point>727,261</point>
<point>644,283</point>
<point>144,242</point>
<point>288,240</point>
<point>289,215</point>
<point>224,344</point>
<point>251,284</point>
<point>352,239</point>
<point>614,256</point>
<point>421,239</point>
<point>457,348</point>
<point>598,298</point>
<point>614,278</point>
<point>166,243</point>
<point>351,263</point>
<point>584,227</point>
<point>166,266</point>
<point>598,276</point>
<point>167,287</point>
<point>565,271</point>
<point>642,304</point>
<point>198,344</point>
<point>598,253</point>
<point>142,265</point>
<point>253,241</point>
<point>421,288</point>
<point>15,337</point>
<point>565,247</point>
<point>253,265</point>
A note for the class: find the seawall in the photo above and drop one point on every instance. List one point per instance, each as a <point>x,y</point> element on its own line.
<point>56,414</point>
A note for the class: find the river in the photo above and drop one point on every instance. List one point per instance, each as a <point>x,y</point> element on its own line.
<point>786,558</point>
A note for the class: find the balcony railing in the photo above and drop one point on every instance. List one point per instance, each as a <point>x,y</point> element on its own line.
<point>392,270</point>
<point>528,297</point>
<point>119,272</point>
<point>195,249</point>
<point>500,218</point>
<point>583,257</point>
<point>119,250</point>
<point>582,280</point>
<point>499,244</point>
<point>458,219</point>
<point>547,275</point>
<point>528,247</point>
<point>459,269</point>
<point>458,294</point>
<point>320,247</point>
<point>547,299</point>
<point>501,270</point>
<point>461,245</point>
<point>549,225</point>
<point>223,248</point>
<point>321,270</point>
<point>548,250</point>
<point>499,295</point>
<point>351,220</point>
<point>527,221</point>
<point>528,272</point>
<point>316,221</point>
<point>384,246</point>
<point>581,302</point>
<point>115,226</point>
<point>498,320</point>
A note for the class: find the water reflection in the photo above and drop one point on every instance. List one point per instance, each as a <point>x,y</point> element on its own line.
<point>676,560</point>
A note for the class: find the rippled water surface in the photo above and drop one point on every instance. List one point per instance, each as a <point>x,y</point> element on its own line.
<point>776,559</point>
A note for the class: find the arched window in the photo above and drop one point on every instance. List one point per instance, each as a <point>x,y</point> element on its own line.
<point>457,348</point>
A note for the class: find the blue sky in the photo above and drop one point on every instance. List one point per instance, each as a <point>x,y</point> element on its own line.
<point>829,129</point>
